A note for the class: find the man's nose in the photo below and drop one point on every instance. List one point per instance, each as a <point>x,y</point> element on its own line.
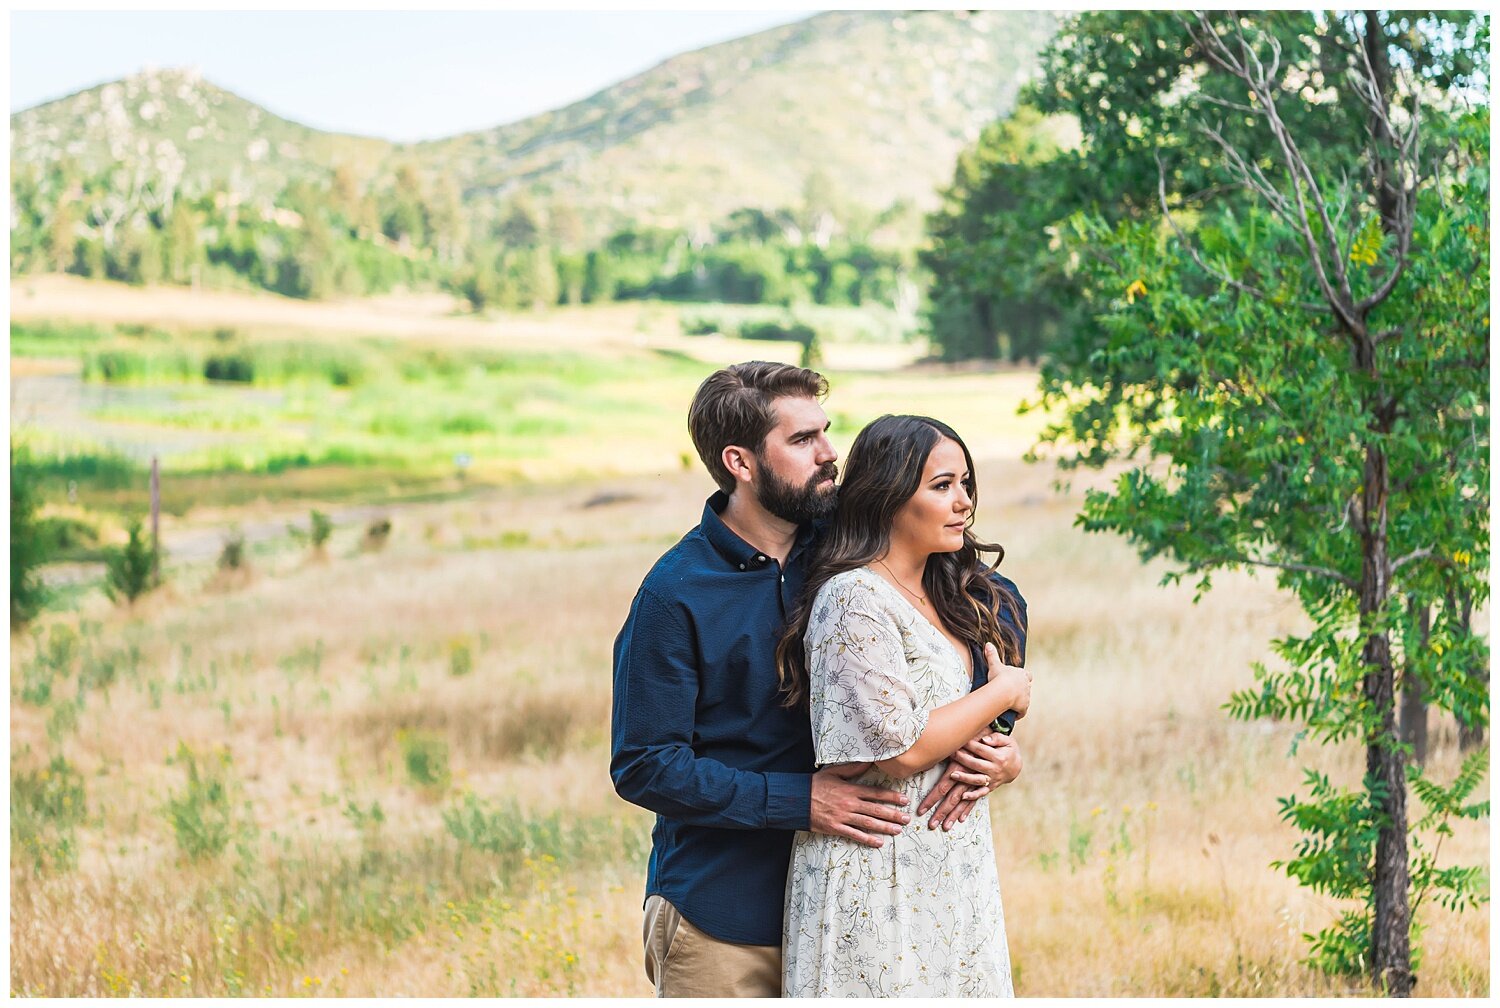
<point>826,452</point>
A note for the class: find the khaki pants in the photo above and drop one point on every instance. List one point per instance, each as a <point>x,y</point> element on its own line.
<point>684,962</point>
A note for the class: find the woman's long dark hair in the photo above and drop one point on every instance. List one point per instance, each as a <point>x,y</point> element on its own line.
<point>884,470</point>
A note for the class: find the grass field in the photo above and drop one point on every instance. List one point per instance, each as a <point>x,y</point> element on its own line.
<point>384,771</point>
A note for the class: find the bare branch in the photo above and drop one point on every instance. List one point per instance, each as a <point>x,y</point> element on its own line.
<point>1226,103</point>
<point>1426,552</point>
<point>1192,251</point>
<point>1260,81</point>
<point>1327,572</point>
<point>1253,177</point>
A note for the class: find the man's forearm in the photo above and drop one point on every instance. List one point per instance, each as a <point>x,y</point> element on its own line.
<point>670,780</point>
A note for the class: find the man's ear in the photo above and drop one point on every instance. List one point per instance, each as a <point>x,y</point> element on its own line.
<point>739,462</point>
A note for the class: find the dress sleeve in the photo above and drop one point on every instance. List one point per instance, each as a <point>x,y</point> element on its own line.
<point>863,705</point>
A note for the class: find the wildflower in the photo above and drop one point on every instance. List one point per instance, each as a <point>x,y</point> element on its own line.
<point>1136,287</point>
<point>1096,810</point>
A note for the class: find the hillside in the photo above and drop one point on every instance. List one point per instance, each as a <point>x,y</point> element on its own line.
<point>869,106</point>
<point>173,128</point>
<point>877,103</point>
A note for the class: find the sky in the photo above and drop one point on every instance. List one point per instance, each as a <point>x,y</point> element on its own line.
<point>399,75</point>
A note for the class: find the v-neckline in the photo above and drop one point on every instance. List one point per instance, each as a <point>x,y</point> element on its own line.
<point>965,666</point>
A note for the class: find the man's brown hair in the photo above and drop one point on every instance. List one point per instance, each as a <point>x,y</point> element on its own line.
<point>733,406</point>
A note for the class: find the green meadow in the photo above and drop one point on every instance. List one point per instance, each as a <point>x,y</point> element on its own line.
<point>376,764</point>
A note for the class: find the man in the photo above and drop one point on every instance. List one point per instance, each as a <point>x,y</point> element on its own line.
<point>700,735</point>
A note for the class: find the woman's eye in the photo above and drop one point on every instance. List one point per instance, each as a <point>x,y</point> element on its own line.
<point>943,485</point>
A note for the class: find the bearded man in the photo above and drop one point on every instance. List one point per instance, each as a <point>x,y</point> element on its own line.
<point>700,734</point>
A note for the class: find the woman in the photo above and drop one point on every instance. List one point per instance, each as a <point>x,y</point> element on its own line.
<point>896,609</point>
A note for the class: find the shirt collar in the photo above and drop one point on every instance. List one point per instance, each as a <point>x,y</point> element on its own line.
<point>731,547</point>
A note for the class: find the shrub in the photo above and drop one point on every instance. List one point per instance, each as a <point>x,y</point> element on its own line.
<point>202,814</point>
<point>232,556</point>
<point>426,757</point>
<point>319,529</point>
<point>699,325</point>
<point>46,807</point>
<point>27,549</point>
<point>131,570</point>
<point>376,534</point>
<point>460,657</point>
<point>233,367</point>
<point>797,332</point>
<point>61,537</point>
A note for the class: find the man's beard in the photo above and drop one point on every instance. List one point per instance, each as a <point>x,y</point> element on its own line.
<point>798,505</point>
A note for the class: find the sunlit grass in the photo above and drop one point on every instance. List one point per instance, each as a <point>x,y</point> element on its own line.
<point>1134,851</point>
<point>401,754</point>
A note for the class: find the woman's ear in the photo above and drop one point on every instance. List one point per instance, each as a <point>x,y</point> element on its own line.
<point>739,462</point>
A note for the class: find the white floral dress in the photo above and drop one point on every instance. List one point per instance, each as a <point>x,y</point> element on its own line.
<point>920,916</point>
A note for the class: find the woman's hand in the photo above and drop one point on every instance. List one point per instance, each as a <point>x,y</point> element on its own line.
<point>1015,678</point>
<point>976,770</point>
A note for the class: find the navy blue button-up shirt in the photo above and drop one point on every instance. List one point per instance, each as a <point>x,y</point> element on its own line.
<point>699,733</point>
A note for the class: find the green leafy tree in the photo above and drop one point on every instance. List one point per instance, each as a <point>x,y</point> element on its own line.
<point>1305,371</point>
<point>1001,286</point>
<point>1004,284</point>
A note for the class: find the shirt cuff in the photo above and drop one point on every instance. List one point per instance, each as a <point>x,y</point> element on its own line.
<point>788,801</point>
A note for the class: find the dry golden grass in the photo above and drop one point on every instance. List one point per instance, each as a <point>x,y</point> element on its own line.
<point>1133,850</point>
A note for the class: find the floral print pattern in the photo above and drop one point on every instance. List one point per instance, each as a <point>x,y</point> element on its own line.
<point>920,916</point>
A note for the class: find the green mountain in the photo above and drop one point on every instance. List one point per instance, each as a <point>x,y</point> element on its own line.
<point>842,112</point>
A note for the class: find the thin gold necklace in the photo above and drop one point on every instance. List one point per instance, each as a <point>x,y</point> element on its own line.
<point>920,598</point>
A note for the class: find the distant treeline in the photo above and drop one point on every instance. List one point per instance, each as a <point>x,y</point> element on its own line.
<point>335,239</point>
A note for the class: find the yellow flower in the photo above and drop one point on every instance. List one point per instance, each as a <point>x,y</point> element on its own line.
<point>1136,287</point>
<point>1096,810</point>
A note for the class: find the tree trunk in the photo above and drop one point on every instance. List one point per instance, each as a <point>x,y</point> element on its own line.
<point>1384,765</point>
<point>1384,180</point>
<point>1413,700</point>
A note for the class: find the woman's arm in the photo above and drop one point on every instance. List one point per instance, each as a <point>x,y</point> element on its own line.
<point>950,726</point>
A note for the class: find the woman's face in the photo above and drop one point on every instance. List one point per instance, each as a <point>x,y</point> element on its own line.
<point>933,519</point>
